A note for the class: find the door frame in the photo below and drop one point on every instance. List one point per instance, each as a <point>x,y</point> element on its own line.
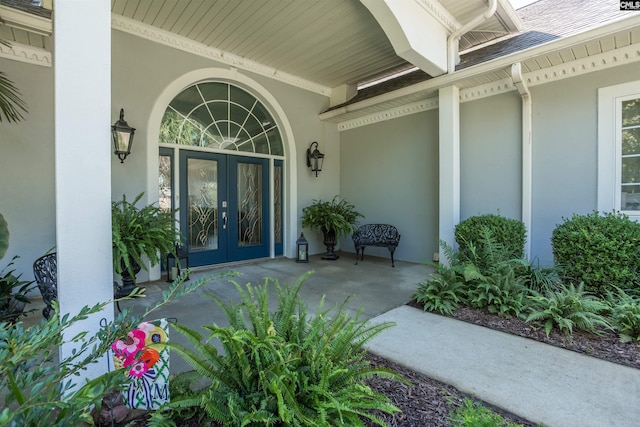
<point>228,249</point>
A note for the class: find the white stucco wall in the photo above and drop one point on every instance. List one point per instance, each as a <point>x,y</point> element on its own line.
<point>565,150</point>
<point>491,157</point>
<point>389,171</point>
<point>143,70</point>
<point>27,168</point>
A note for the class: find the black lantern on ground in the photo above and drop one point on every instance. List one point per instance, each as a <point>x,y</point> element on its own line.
<point>302,247</point>
<point>314,158</point>
<point>175,262</point>
<point>122,135</point>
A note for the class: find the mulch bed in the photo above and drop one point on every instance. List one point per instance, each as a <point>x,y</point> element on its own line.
<point>427,402</point>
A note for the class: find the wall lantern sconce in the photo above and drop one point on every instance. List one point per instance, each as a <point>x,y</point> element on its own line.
<point>122,135</point>
<point>302,247</point>
<point>314,158</point>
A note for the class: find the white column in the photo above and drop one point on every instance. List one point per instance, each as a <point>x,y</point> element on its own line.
<point>449,147</point>
<point>82,81</point>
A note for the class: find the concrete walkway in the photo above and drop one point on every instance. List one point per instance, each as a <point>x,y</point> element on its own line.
<point>539,382</point>
<point>542,383</point>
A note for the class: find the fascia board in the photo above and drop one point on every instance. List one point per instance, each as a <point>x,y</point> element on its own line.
<point>494,65</point>
<point>26,21</point>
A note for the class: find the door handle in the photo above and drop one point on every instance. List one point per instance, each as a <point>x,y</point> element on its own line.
<point>224,220</point>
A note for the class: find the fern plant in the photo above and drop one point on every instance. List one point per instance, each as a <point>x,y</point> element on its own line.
<point>445,289</point>
<point>567,308</point>
<point>625,316</point>
<point>38,389</point>
<point>501,292</point>
<point>283,367</point>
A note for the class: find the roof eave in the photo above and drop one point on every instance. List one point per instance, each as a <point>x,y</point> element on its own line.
<point>500,63</point>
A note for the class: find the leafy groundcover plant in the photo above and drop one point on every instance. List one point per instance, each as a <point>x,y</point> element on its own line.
<point>568,307</point>
<point>471,414</point>
<point>38,392</point>
<point>625,315</point>
<point>283,367</point>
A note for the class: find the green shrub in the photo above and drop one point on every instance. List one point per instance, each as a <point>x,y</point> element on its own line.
<point>284,367</point>
<point>509,235</point>
<point>39,392</point>
<point>568,307</point>
<point>471,414</point>
<point>600,251</point>
<point>625,316</point>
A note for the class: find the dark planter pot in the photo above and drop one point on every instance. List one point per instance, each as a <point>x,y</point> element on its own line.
<point>12,310</point>
<point>330,243</point>
<point>128,280</point>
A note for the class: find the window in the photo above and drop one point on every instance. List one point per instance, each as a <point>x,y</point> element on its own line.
<point>221,116</point>
<point>619,149</point>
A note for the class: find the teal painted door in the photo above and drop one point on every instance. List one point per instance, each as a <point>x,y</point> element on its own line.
<point>224,204</point>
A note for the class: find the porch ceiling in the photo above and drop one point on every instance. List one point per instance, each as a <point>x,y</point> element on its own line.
<point>549,60</point>
<point>328,42</point>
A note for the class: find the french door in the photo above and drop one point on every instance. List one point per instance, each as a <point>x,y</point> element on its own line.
<point>224,207</point>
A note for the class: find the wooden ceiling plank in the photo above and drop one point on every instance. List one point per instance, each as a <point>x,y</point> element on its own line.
<point>142,9</point>
<point>208,21</point>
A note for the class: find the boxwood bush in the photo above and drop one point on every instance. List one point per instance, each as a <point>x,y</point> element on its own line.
<point>508,236</point>
<point>599,250</point>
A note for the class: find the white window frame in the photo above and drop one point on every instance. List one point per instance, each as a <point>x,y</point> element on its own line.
<point>610,145</point>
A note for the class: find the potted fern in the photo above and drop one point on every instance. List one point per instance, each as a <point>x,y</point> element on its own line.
<point>334,218</point>
<point>14,293</point>
<point>138,232</point>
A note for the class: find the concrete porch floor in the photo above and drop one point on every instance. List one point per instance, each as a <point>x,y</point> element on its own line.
<point>539,382</point>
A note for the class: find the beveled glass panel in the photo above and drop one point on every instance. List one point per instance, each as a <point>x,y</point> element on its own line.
<point>630,200</point>
<point>275,142</point>
<point>165,181</point>
<point>631,112</point>
<point>215,115</point>
<point>219,110</point>
<point>261,144</point>
<point>201,116</point>
<point>186,100</point>
<point>277,203</point>
<point>213,90</point>
<point>630,170</point>
<point>238,114</point>
<point>241,97</point>
<point>631,141</point>
<point>249,204</point>
<point>202,180</point>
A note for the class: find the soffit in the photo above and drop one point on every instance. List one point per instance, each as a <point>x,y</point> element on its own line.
<point>614,44</point>
<point>328,42</point>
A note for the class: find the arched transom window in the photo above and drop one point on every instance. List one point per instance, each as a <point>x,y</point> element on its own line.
<point>221,116</point>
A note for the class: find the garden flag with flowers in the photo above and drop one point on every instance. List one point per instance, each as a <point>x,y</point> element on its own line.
<point>145,357</point>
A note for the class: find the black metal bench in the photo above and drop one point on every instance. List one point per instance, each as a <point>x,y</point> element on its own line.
<point>45,271</point>
<point>383,235</point>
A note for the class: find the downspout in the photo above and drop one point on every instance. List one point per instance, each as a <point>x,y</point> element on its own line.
<point>454,38</point>
<point>525,94</point>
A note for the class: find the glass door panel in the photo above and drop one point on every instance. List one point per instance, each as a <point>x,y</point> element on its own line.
<point>202,178</point>
<point>248,208</point>
<point>278,209</point>
<point>250,204</point>
<point>202,208</point>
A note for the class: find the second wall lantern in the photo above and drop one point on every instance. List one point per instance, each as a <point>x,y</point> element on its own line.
<point>122,135</point>
<point>315,158</point>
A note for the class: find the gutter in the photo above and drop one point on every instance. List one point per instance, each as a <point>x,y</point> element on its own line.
<point>497,64</point>
<point>454,38</point>
<point>527,118</point>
